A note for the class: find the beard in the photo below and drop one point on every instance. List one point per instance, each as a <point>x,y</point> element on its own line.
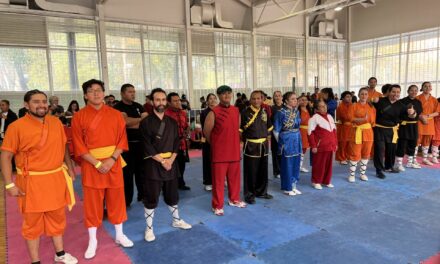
<point>159,108</point>
<point>39,114</point>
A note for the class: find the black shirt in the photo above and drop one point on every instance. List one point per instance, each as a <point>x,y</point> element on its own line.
<point>410,131</point>
<point>389,115</point>
<point>134,110</point>
<point>256,129</point>
<point>154,144</point>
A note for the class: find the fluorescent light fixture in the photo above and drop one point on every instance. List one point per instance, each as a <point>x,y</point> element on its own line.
<point>339,8</point>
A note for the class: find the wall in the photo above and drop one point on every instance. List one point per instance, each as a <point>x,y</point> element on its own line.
<point>389,17</point>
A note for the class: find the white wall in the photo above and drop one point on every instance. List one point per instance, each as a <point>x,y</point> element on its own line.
<point>389,17</point>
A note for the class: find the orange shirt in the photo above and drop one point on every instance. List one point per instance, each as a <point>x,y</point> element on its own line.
<point>305,116</point>
<point>343,125</point>
<point>92,129</point>
<point>359,110</point>
<point>25,139</point>
<point>437,125</point>
<point>373,94</point>
<point>429,106</point>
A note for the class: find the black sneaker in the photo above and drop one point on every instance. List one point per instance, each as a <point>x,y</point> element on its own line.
<point>265,196</point>
<point>250,201</point>
<point>380,175</point>
<point>184,188</point>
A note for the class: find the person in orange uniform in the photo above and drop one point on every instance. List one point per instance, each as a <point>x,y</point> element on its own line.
<point>43,185</point>
<point>363,117</point>
<point>305,112</point>
<point>372,93</point>
<point>99,138</point>
<point>436,138</point>
<point>343,127</point>
<point>426,120</point>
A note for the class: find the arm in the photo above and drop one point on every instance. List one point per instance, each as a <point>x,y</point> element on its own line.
<point>6,166</point>
<point>68,162</point>
<point>277,125</point>
<point>209,125</point>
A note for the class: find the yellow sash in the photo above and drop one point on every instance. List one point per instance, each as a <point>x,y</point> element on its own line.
<point>259,140</point>
<point>304,127</point>
<point>106,152</point>
<point>404,123</point>
<point>252,120</point>
<point>166,155</point>
<point>358,135</point>
<point>395,132</point>
<point>69,181</point>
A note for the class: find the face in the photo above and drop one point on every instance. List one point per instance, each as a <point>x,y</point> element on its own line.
<point>75,107</point>
<point>347,98</point>
<point>212,101</point>
<point>225,98</point>
<point>324,96</point>
<point>322,107</point>
<point>363,95</point>
<point>394,94</point>
<point>159,102</point>
<point>37,105</point>
<point>372,83</point>
<point>4,107</point>
<point>95,95</point>
<point>427,88</point>
<point>303,101</point>
<point>278,97</point>
<point>412,93</point>
<point>55,100</point>
<point>256,100</point>
<point>129,94</point>
<point>175,102</point>
<point>292,101</point>
<point>317,90</point>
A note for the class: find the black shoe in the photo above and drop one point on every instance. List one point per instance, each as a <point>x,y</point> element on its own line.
<point>380,175</point>
<point>139,199</point>
<point>265,196</point>
<point>184,188</point>
<point>250,201</point>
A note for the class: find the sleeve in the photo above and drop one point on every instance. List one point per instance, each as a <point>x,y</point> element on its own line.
<point>141,108</point>
<point>277,125</point>
<point>79,146</point>
<point>62,132</point>
<point>310,132</point>
<point>122,141</point>
<point>12,139</point>
<point>372,116</point>
<point>332,104</point>
<point>269,124</point>
<point>147,136</point>
<point>338,113</point>
<point>13,117</point>
<point>176,143</point>
<point>297,119</point>
<point>243,121</point>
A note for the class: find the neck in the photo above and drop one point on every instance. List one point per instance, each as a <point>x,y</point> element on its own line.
<point>127,101</point>
<point>392,100</point>
<point>96,106</point>
<point>371,88</point>
<point>224,104</point>
<point>256,107</point>
<point>39,119</point>
<point>160,115</point>
<point>426,94</point>
<point>363,101</point>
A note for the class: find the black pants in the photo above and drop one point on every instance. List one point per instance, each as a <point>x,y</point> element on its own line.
<point>181,162</point>
<point>276,159</point>
<point>152,193</point>
<point>206,155</point>
<point>254,176</point>
<point>406,146</point>
<point>134,159</point>
<point>384,155</point>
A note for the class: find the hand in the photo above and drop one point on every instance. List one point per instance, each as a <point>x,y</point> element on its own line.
<point>71,174</point>
<point>143,115</point>
<point>411,111</point>
<point>15,191</point>
<point>314,150</point>
<point>375,100</point>
<point>166,164</point>
<point>106,166</point>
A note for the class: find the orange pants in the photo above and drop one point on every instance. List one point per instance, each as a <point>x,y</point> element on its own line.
<point>424,140</point>
<point>360,151</point>
<point>94,206</point>
<point>343,150</point>
<point>51,223</point>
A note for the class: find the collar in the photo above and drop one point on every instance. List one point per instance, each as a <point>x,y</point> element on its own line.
<point>255,109</point>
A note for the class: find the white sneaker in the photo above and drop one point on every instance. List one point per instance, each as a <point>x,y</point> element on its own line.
<point>181,224</point>
<point>427,162</point>
<point>344,162</point>
<point>317,186</point>
<point>149,235</point>
<point>239,204</point>
<point>435,160</point>
<point>123,241</point>
<point>208,188</point>
<point>218,212</point>
<point>296,191</point>
<point>330,186</point>
<point>91,250</point>
<point>290,193</point>
<point>351,179</point>
<point>66,258</point>
<point>364,177</point>
<point>304,169</point>
<point>399,168</point>
<point>413,166</point>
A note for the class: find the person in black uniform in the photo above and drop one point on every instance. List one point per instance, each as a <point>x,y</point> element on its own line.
<point>255,129</point>
<point>211,101</point>
<point>133,114</point>
<point>408,131</point>
<point>389,112</point>
<point>276,159</point>
<point>161,142</point>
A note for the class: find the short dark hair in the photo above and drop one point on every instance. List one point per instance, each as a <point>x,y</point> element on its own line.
<point>330,93</point>
<point>386,88</point>
<point>89,83</point>
<point>209,95</point>
<point>28,95</point>
<point>257,91</point>
<point>362,89</point>
<point>5,101</point>
<point>111,95</point>
<point>287,95</point>
<point>411,86</point>
<point>394,86</point>
<point>171,95</point>
<point>345,94</point>
<point>372,78</point>
<point>157,90</point>
<point>125,86</point>
<point>423,84</point>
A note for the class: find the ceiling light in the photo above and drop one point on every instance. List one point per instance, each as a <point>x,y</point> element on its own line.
<point>339,8</point>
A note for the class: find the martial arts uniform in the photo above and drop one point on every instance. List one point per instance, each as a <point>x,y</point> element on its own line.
<point>304,126</point>
<point>436,138</point>
<point>426,132</point>
<point>343,128</point>
<point>276,159</point>
<point>206,151</point>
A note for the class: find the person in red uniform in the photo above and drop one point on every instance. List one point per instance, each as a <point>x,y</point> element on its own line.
<point>99,138</point>
<point>343,127</point>
<point>306,111</point>
<point>221,131</point>
<point>323,142</point>
<point>175,111</point>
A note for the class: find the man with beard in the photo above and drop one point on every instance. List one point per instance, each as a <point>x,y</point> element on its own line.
<point>43,185</point>
<point>133,114</point>
<point>372,93</point>
<point>99,138</point>
<point>388,115</point>
<point>161,142</point>
<point>221,131</point>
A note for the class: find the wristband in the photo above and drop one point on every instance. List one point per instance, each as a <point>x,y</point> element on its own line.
<point>98,164</point>
<point>113,158</point>
<point>9,186</point>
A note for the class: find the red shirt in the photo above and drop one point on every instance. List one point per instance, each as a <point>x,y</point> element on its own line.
<point>225,137</point>
<point>268,110</point>
<point>182,123</point>
<point>148,108</point>
<point>322,133</point>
